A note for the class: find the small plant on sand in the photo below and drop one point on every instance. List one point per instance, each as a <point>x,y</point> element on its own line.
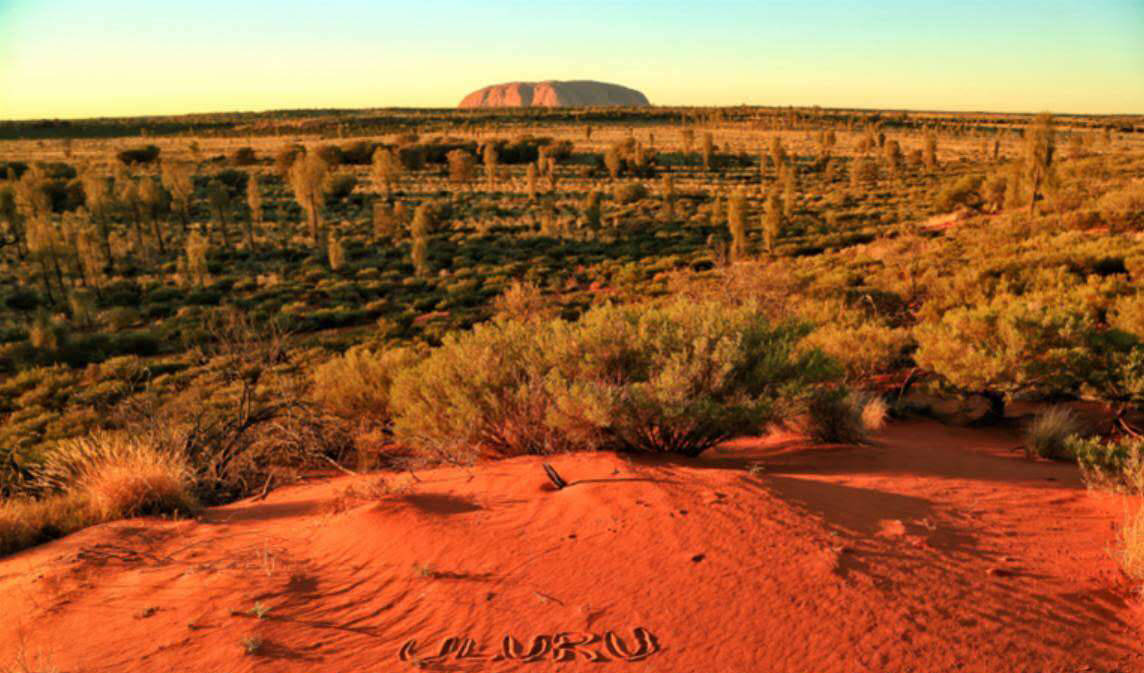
<point>835,417</point>
<point>260,609</point>
<point>874,413</point>
<point>1047,434</point>
<point>251,644</point>
<point>1130,553</point>
<point>423,570</point>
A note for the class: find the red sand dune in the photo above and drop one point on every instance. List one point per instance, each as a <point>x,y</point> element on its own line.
<point>937,549</point>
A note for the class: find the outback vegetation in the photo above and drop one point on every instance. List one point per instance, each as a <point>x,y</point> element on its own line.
<point>195,309</point>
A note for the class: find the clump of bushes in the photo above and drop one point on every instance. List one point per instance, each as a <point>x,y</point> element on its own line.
<point>138,155</point>
<point>678,378</point>
<point>1113,464</point>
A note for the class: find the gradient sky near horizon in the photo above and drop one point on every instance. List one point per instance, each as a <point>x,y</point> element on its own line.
<point>82,58</point>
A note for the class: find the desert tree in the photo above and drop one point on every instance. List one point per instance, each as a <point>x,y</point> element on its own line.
<point>552,175</point>
<point>668,195</point>
<point>461,166</point>
<point>530,176</point>
<point>307,177</point>
<point>90,252</point>
<point>152,203</point>
<point>130,202</point>
<point>195,250</point>
<point>178,180</point>
<point>420,232</point>
<point>790,188</point>
<point>863,172</point>
<point>737,224</point>
<point>45,248</point>
<point>778,153</point>
<point>592,211</point>
<point>716,213</point>
<point>385,225</point>
<point>490,159</point>
<point>929,152</point>
<point>387,169</point>
<point>895,160</point>
<point>219,202</point>
<point>772,222</point>
<point>254,209</point>
<point>99,196</point>
<point>1040,148</point>
<point>708,150</point>
<point>13,222</point>
<point>612,161</point>
<point>688,135</point>
<point>335,253</point>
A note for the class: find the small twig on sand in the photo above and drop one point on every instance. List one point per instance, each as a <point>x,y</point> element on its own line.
<point>554,477</point>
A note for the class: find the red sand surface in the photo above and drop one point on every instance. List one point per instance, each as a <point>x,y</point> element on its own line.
<point>935,549</point>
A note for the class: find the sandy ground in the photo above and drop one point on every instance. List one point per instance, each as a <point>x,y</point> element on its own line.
<point>935,549</point>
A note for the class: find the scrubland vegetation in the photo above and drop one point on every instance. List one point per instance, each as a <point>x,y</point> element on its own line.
<point>194,316</point>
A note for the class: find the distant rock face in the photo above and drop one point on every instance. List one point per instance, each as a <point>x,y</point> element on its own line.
<point>554,94</point>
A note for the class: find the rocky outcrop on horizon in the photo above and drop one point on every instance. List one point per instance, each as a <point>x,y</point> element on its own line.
<point>552,93</point>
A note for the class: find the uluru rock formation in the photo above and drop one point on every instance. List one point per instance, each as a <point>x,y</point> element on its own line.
<point>554,94</point>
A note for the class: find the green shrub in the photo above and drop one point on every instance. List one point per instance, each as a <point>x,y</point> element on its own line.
<point>1048,433</point>
<point>835,416</point>
<point>1013,343</point>
<point>138,155</point>
<point>964,193</point>
<point>339,186</point>
<point>1116,464</point>
<point>630,192</point>
<point>678,378</point>
<point>356,385</point>
<point>244,156</point>
<point>863,351</point>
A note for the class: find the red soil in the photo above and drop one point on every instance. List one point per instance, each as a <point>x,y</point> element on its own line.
<point>937,549</point>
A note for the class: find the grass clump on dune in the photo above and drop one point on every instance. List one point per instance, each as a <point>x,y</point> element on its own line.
<point>1047,434</point>
<point>98,478</point>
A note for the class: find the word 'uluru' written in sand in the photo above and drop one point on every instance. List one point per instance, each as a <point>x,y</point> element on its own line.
<point>565,646</point>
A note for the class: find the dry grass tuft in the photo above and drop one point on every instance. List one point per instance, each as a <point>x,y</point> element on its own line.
<point>1047,433</point>
<point>875,412</point>
<point>24,523</point>
<point>122,476</point>
<point>1131,551</point>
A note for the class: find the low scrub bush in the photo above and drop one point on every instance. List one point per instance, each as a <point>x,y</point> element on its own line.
<point>837,417</point>
<point>356,384</point>
<point>1116,464</point>
<point>964,193</point>
<point>1048,433</point>
<point>863,351</point>
<point>678,378</point>
<point>138,155</point>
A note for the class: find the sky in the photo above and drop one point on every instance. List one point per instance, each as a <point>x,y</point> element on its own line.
<point>85,58</point>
